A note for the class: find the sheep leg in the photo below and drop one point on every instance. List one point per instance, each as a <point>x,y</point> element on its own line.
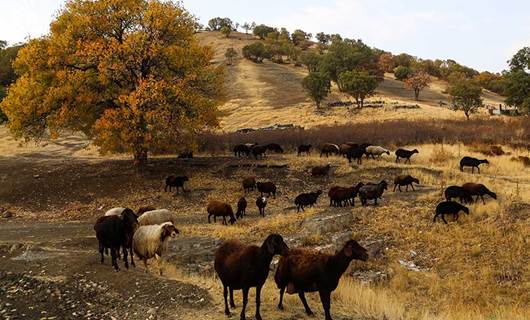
<point>113,255</point>
<point>395,186</point>
<point>145,264</point>
<point>455,216</point>
<point>443,218</point>
<point>209,218</point>
<point>159,261</point>
<point>304,302</point>
<point>225,295</point>
<point>407,188</point>
<point>125,259</point>
<point>280,304</point>
<point>224,220</point>
<point>101,250</point>
<point>397,159</point>
<point>258,302</point>
<point>478,168</point>
<point>434,219</point>
<point>408,160</point>
<point>245,301</point>
<point>482,197</point>
<point>325,297</point>
<point>412,186</point>
<point>132,257</point>
<point>472,169</point>
<point>232,304</point>
<point>399,187</point>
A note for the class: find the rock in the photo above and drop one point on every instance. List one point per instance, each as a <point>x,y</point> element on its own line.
<point>7,214</point>
<point>375,248</point>
<point>327,223</point>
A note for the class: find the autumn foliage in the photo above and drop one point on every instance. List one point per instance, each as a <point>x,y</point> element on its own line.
<point>128,73</point>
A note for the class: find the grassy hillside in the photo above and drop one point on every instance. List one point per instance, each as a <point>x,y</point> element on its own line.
<point>260,95</point>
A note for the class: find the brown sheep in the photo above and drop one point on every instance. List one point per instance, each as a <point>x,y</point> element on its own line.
<point>241,267</point>
<point>249,183</point>
<point>479,190</point>
<point>241,208</point>
<point>220,209</point>
<point>329,148</point>
<point>307,271</point>
<point>304,148</point>
<point>339,196</point>
<point>405,180</point>
<point>321,171</point>
<point>267,187</point>
<point>174,181</point>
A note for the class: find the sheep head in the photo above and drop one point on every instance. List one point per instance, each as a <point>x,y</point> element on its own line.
<point>274,244</point>
<point>352,249</point>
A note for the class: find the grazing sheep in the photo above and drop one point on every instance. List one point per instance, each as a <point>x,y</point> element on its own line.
<point>240,150</point>
<point>304,148</point>
<point>303,271</point>
<point>249,183</point>
<point>471,162</point>
<point>405,180</point>
<point>306,199</point>
<point>174,181</point>
<point>479,190</point>
<point>449,207</point>
<point>329,148</point>
<point>220,209</point>
<point>405,154</point>
<point>372,191</point>
<point>258,151</point>
<point>185,155</point>
<point>458,192</point>
<point>339,196</point>
<point>267,187</point>
<point>149,241</point>
<point>261,203</point>
<point>274,147</point>
<point>356,152</point>
<point>376,151</point>
<point>241,207</point>
<point>321,171</point>
<point>158,216</point>
<point>114,232</point>
<point>344,149</point>
<point>241,267</point>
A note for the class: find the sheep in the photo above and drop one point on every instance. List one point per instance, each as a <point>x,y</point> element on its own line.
<point>241,207</point>
<point>356,152</point>
<point>148,241</point>
<point>321,171</point>
<point>261,203</point>
<point>472,162</point>
<point>220,209</point>
<point>119,210</point>
<point>241,267</point>
<point>449,207</point>
<point>258,151</point>
<point>267,187</point>
<point>174,181</point>
<point>158,216</point>
<point>249,183</point>
<point>376,151</point>
<point>329,148</point>
<point>405,180</point>
<point>479,190</point>
<point>274,147</point>
<point>114,232</point>
<point>372,191</point>
<point>306,199</point>
<point>240,150</point>
<point>406,154</point>
<point>303,271</point>
<point>458,192</point>
<point>339,196</point>
<point>344,149</point>
<point>304,148</point>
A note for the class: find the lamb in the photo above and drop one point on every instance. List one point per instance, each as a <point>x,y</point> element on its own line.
<point>241,207</point>
<point>339,196</point>
<point>174,181</point>
<point>249,183</point>
<point>220,209</point>
<point>261,203</point>
<point>449,207</point>
<point>405,154</point>
<point>304,148</point>
<point>376,151</point>
<point>329,148</point>
<point>258,151</point>
<point>240,150</point>
<point>356,152</point>
<point>149,241</point>
<point>405,180</point>
<point>306,199</point>
<point>274,147</point>
<point>479,190</point>
<point>458,192</point>
<point>267,187</point>
<point>241,267</point>
<point>472,162</point>
<point>158,216</point>
<point>304,271</point>
<point>114,232</point>
<point>321,171</point>
<point>372,191</point>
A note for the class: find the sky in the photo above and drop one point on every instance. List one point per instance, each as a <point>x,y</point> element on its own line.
<point>480,34</point>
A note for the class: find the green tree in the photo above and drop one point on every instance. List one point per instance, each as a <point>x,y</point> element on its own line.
<point>256,52</point>
<point>216,24</point>
<point>262,31</point>
<point>318,86</point>
<point>300,37</point>
<point>226,31</point>
<point>246,26</point>
<point>466,96</point>
<point>517,81</point>
<point>521,60</point>
<point>311,60</point>
<point>401,73</point>
<point>133,77</point>
<point>230,55</point>
<point>359,84</point>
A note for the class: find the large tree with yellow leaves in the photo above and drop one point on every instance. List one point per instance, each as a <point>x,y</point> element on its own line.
<point>128,73</point>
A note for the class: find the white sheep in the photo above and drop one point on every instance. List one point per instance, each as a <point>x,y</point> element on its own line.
<point>376,151</point>
<point>157,217</point>
<point>149,241</point>
<point>114,212</point>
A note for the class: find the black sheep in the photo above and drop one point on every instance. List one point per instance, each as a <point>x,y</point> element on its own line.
<point>258,151</point>
<point>479,190</point>
<point>174,181</point>
<point>241,207</point>
<point>304,148</point>
<point>267,187</point>
<point>458,192</point>
<point>261,203</point>
<point>274,147</point>
<point>449,207</point>
<point>405,154</point>
<point>472,162</point>
<point>249,183</point>
<point>241,267</point>
<point>356,152</point>
<point>306,199</point>
<point>405,180</point>
<point>329,148</point>
<point>240,150</point>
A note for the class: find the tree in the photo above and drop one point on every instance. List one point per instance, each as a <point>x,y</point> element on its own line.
<point>323,38</point>
<point>216,24</point>
<point>401,73</point>
<point>7,73</point>
<point>230,55</point>
<point>132,77</point>
<point>246,26</point>
<point>417,82</point>
<point>359,84</point>
<point>385,62</point>
<point>521,60</point>
<point>466,96</point>
<point>262,31</point>
<point>300,37</point>
<point>226,31</point>
<point>256,52</point>
<point>318,86</point>
<point>311,60</point>
<point>517,81</point>
<point>403,59</point>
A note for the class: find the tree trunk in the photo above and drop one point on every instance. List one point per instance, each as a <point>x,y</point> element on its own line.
<point>417,95</point>
<point>140,157</point>
<point>467,114</point>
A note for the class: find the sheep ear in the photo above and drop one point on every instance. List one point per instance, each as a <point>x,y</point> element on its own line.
<point>348,251</point>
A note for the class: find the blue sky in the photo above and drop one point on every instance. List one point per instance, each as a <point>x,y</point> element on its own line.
<point>481,34</point>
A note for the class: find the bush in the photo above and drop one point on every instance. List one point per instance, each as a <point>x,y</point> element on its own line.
<point>402,73</point>
<point>256,52</point>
